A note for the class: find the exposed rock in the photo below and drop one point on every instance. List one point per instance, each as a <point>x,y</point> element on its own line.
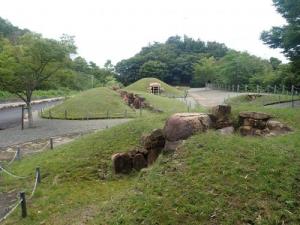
<point>226,130</point>
<point>139,162</point>
<point>122,163</point>
<point>277,127</point>
<point>172,146</point>
<point>152,155</point>
<point>154,140</point>
<point>220,116</point>
<point>255,115</point>
<point>252,97</point>
<point>182,125</point>
<point>251,131</point>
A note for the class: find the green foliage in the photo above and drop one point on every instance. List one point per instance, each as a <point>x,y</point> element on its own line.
<point>286,37</point>
<point>204,71</point>
<point>174,59</point>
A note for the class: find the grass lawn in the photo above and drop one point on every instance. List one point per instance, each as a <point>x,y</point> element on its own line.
<point>212,179</point>
<point>143,84</point>
<point>93,103</point>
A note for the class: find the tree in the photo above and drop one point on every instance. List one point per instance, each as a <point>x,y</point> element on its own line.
<point>152,68</point>
<point>30,62</point>
<point>204,71</point>
<point>286,37</point>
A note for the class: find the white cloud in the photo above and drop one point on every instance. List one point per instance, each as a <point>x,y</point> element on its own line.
<point>117,29</point>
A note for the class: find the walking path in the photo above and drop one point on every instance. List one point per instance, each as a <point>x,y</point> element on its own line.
<point>209,98</point>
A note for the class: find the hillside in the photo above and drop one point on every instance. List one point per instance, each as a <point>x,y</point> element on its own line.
<point>143,84</point>
<point>213,179</point>
<point>93,103</point>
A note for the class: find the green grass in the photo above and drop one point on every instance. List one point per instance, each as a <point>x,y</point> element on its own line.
<point>212,179</point>
<point>143,84</point>
<point>93,103</point>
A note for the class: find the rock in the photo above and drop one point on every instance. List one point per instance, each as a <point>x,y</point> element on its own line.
<point>254,115</point>
<point>250,131</point>
<point>260,124</point>
<point>139,162</point>
<point>137,103</point>
<point>221,111</point>
<point>182,125</point>
<point>172,146</point>
<point>152,155</point>
<point>277,127</point>
<point>122,163</point>
<point>226,130</point>
<point>154,140</point>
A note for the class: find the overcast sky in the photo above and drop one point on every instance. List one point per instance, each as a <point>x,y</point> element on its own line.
<point>118,29</point>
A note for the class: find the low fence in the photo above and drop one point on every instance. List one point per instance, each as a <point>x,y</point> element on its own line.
<point>22,200</point>
<point>49,114</point>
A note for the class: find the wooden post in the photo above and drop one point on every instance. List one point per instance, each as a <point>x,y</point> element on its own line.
<point>246,88</point>
<point>22,119</point>
<point>257,89</point>
<point>18,157</point>
<point>51,143</point>
<point>275,89</point>
<point>23,204</point>
<point>38,174</point>
<point>238,88</point>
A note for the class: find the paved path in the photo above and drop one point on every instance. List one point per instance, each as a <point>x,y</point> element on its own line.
<point>209,98</point>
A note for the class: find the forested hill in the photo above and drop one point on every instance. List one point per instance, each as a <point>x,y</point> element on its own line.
<point>185,61</point>
<point>7,30</point>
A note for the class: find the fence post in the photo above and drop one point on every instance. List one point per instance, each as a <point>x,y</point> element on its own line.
<point>275,89</point>
<point>38,174</point>
<point>23,204</point>
<point>257,88</point>
<point>283,89</point>
<point>22,122</point>
<point>51,143</point>
<point>246,88</point>
<point>293,96</point>
<point>238,88</point>
<point>18,156</point>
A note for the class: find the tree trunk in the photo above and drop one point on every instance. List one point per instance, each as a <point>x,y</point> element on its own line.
<point>30,117</point>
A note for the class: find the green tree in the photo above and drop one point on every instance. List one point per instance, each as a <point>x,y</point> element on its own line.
<point>29,63</point>
<point>204,71</point>
<point>153,69</point>
<point>286,37</point>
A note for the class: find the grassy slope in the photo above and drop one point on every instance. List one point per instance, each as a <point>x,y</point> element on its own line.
<point>212,180</point>
<point>93,103</point>
<point>143,84</point>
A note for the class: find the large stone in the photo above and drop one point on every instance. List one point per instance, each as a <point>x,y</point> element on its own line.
<point>251,131</point>
<point>260,124</point>
<point>152,155</point>
<point>139,161</point>
<point>122,163</point>
<point>182,125</point>
<point>254,115</point>
<point>277,127</point>
<point>172,146</point>
<point>221,111</point>
<point>226,130</point>
<point>155,140</point>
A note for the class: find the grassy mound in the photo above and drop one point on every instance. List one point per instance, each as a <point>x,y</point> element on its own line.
<point>143,84</point>
<point>213,179</point>
<point>93,103</point>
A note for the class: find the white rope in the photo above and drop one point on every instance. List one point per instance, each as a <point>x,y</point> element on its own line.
<point>34,186</point>
<point>9,173</point>
<point>11,211</point>
<point>13,159</point>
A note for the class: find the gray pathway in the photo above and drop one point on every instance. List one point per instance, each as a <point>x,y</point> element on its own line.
<point>209,98</point>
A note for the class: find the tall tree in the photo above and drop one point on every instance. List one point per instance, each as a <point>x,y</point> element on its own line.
<point>204,71</point>
<point>30,62</point>
<point>286,37</point>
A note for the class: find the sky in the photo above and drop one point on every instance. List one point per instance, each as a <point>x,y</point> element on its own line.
<point>118,29</point>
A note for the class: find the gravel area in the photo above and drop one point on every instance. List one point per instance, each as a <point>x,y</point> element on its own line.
<point>45,128</point>
<point>209,98</point>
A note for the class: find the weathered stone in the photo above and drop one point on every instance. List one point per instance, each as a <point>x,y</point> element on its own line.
<point>172,146</point>
<point>221,111</point>
<point>255,115</point>
<point>277,127</point>
<point>226,130</point>
<point>152,155</point>
<point>182,125</point>
<point>139,161</point>
<point>261,124</point>
<point>137,103</point>
<point>122,163</point>
<point>219,124</point>
<point>154,140</point>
